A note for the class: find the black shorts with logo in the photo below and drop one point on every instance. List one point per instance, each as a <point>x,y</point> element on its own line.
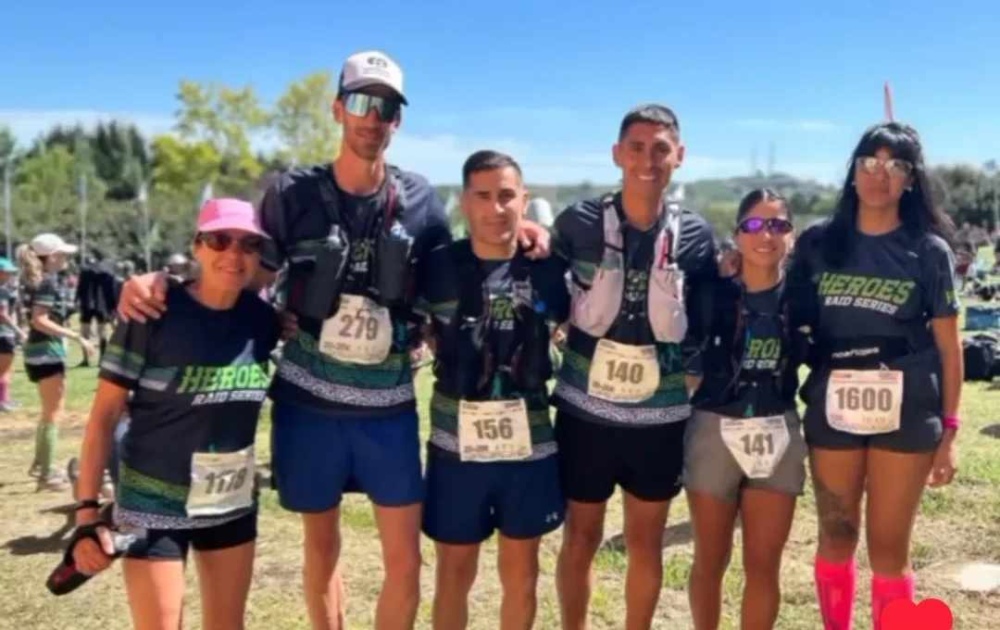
<point>173,544</point>
<point>646,462</point>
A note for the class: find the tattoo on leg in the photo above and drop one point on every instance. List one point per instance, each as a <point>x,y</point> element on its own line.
<point>834,516</point>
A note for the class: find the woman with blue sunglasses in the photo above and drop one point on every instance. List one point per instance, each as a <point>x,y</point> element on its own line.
<point>743,451</point>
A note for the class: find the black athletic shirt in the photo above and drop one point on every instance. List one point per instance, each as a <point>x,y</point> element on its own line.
<point>199,377</point>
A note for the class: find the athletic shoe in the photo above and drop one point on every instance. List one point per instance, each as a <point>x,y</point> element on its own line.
<point>54,482</point>
<point>35,471</point>
<point>108,487</point>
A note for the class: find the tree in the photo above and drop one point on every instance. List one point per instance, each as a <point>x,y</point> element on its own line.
<point>120,158</point>
<point>965,193</point>
<point>225,118</point>
<point>182,168</point>
<point>7,145</point>
<point>304,122</point>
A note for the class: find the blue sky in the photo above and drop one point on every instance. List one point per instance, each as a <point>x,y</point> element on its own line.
<point>548,82</point>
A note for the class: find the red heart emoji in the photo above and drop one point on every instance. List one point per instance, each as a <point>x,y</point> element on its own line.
<point>930,614</point>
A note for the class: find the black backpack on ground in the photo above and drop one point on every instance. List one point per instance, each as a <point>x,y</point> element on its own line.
<point>982,357</point>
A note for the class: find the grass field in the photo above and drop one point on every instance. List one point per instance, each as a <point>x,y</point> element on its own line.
<point>957,524</point>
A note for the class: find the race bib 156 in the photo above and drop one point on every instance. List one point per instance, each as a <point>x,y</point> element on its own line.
<point>493,430</point>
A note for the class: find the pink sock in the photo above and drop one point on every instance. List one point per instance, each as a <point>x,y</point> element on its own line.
<point>835,590</point>
<point>4,390</point>
<point>886,590</point>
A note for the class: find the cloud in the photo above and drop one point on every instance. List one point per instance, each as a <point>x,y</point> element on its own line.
<point>26,125</point>
<point>818,126</point>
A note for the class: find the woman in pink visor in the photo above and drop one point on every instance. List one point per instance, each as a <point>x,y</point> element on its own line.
<point>193,382</point>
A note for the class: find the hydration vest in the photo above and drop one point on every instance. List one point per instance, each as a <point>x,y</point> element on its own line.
<point>595,308</point>
<point>725,319</point>
<point>466,365</point>
<point>318,269</point>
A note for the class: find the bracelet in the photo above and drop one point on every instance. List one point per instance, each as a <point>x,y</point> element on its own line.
<point>950,422</point>
<point>87,504</point>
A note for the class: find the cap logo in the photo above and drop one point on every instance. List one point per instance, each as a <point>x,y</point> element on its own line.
<point>378,62</point>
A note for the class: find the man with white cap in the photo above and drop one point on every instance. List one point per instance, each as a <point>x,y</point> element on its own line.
<point>353,236</point>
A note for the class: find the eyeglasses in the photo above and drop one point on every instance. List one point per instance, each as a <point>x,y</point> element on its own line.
<point>893,166</point>
<point>359,104</point>
<point>755,225</point>
<point>221,241</point>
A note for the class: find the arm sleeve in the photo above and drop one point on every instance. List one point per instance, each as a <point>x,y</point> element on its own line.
<point>939,279</point>
<point>562,242</point>
<point>125,355</point>
<point>696,254</point>
<point>274,221</point>
<point>800,287</point>
<point>550,275</point>
<point>431,243</point>
<point>698,308</point>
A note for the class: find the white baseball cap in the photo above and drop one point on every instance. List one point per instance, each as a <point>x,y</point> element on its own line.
<point>371,67</point>
<point>48,244</point>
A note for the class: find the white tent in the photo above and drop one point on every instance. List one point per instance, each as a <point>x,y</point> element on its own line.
<point>540,211</point>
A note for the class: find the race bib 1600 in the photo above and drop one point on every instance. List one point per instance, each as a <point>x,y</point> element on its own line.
<point>864,402</point>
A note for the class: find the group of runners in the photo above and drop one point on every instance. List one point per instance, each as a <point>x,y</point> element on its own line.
<point>673,376</point>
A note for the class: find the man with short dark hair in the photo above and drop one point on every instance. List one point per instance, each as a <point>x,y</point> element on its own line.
<point>491,457</point>
<point>621,396</point>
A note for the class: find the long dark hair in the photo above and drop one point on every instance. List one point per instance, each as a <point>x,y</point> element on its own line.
<point>917,211</point>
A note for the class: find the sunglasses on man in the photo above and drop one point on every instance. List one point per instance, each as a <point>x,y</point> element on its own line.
<point>359,104</point>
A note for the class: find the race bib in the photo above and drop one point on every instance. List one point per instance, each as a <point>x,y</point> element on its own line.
<point>757,444</point>
<point>620,373</point>
<point>493,430</point>
<point>864,402</point>
<point>221,483</point>
<point>360,332</point>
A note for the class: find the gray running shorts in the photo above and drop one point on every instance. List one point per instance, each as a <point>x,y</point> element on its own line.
<point>709,466</point>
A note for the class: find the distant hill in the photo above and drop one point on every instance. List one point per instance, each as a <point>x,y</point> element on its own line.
<point>715,198</point>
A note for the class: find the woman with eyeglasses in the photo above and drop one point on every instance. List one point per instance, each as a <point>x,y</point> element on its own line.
<point>743,450</point>
<point>875,285</point>
<point>197,378</point>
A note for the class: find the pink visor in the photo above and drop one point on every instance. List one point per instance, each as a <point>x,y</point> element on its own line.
<point>229,214</point>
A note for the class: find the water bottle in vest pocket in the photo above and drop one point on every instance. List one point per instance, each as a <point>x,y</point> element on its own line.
<point>667,317</point>
<point>315,280</point>
<point>392,264</point>
<point>531,366</point>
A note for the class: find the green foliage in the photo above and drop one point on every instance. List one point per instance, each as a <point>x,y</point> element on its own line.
<point>303,121</point>
<point>969,194</point>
